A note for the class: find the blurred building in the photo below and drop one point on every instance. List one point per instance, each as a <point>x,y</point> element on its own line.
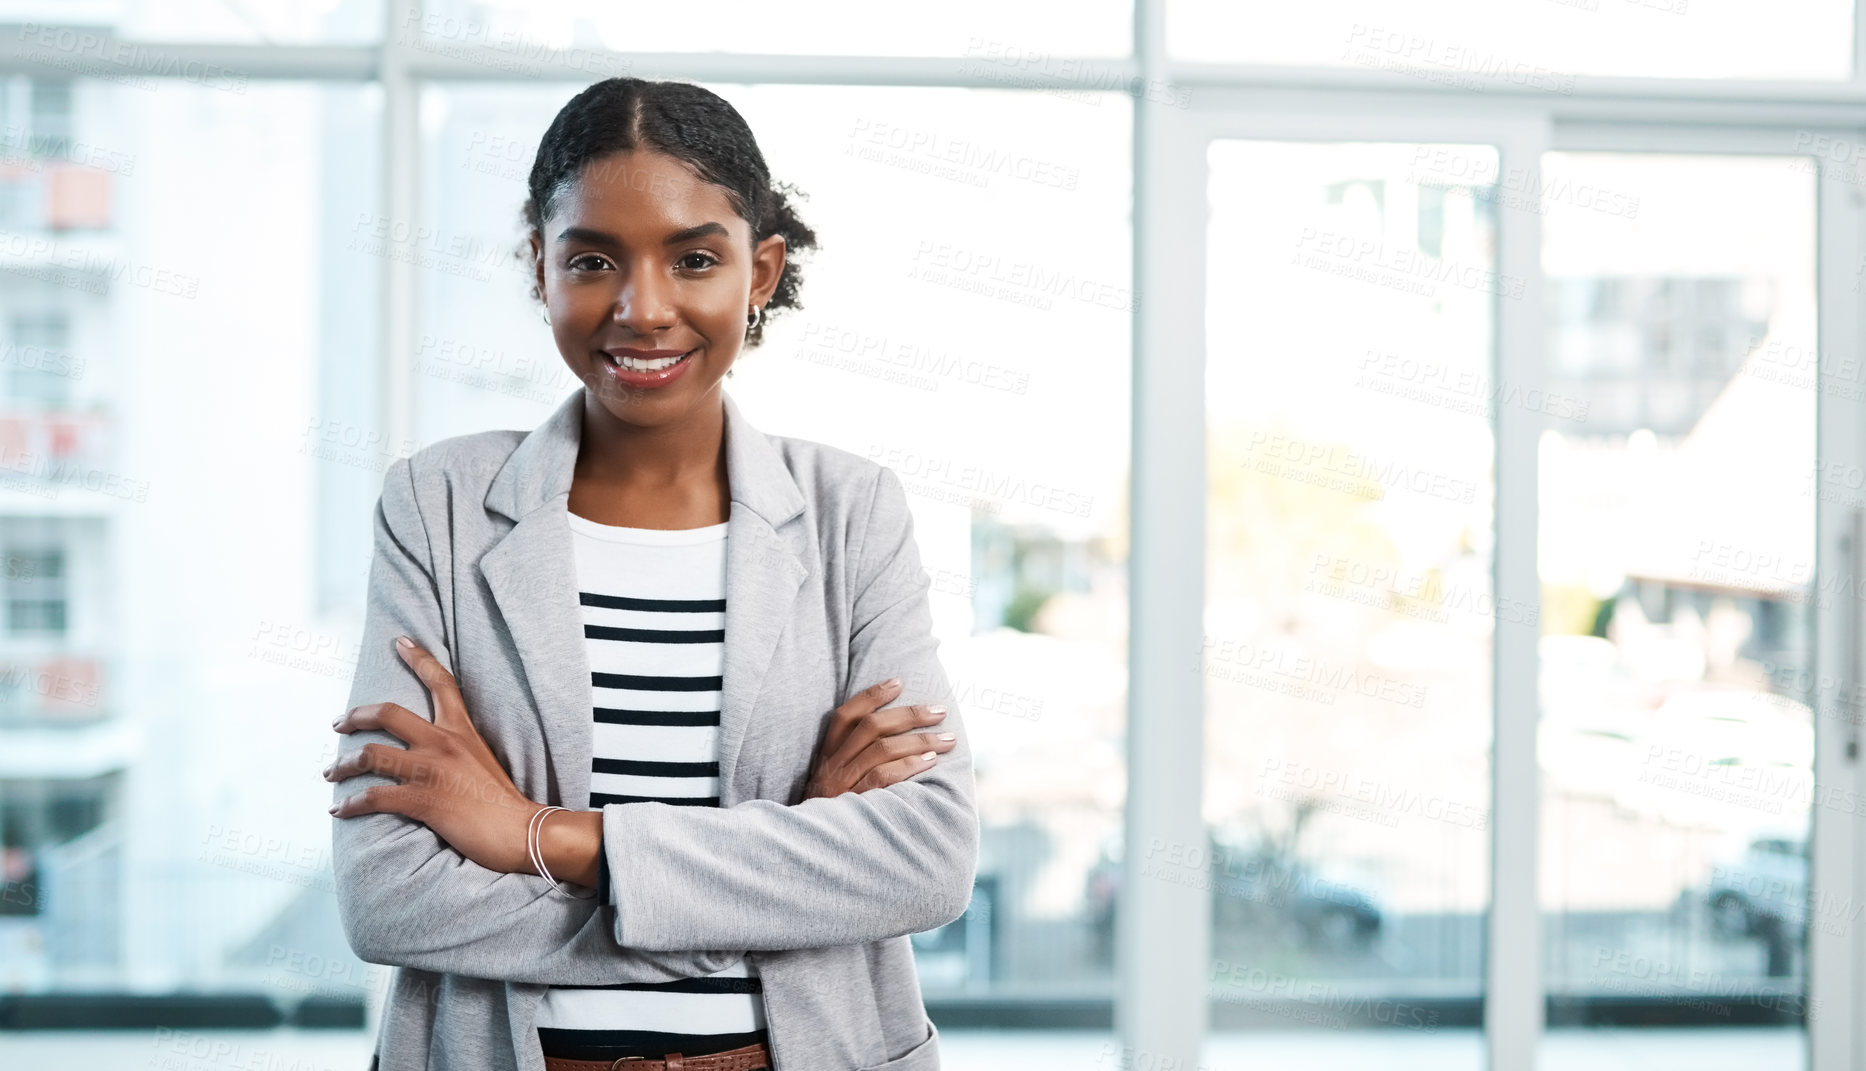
<point>65,740</point>
<point>139,849</point>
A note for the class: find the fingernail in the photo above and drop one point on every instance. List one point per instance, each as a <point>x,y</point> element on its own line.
<point>333,810</point>
<point>328,769</point>
<point>928,757</point>
<point>936,710</point>
<point>404,642</point>
<point>891,682</point>
<point>942,736</point>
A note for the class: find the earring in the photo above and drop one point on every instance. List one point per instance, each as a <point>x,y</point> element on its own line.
<point>754,318</point>
<point>545,311</point>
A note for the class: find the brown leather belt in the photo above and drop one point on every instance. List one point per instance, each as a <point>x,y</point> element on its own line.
<point>748,1058</point>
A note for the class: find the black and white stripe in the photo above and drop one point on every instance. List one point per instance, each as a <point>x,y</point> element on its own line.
<point>654,608</point>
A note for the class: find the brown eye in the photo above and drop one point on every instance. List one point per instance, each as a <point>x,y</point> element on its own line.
<point>574,261</point>
<point>706,259</point>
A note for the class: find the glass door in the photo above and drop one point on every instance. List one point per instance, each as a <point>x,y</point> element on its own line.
<point>1351,496</point>
<point>1676,549</point>
<point>1526,636</point>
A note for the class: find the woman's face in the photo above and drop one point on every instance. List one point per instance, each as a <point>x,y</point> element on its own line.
<point>643,255</point>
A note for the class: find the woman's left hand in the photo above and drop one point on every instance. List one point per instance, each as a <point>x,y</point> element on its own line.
<point>450,780</point>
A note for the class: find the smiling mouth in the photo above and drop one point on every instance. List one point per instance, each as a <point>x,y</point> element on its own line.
<point>659,364</point>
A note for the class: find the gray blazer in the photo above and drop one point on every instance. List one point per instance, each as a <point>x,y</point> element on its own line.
<point>825,596</point>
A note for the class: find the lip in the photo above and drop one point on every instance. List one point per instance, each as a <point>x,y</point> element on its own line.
<point>643,355</point>
<point>644,380</point>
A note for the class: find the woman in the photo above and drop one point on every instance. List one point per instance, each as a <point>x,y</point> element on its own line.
<point>649,614</point>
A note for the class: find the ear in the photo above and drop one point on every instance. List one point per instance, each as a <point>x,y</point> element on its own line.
<point>537,264</point>
<point>767,269</point>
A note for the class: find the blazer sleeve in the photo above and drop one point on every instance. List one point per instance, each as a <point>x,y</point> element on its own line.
<point>405,896</point>
<point>856,868</point>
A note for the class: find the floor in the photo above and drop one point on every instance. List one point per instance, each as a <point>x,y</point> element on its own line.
<point>1653,1049</point>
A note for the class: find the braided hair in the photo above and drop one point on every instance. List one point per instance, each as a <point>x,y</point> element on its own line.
<point>690,123</point>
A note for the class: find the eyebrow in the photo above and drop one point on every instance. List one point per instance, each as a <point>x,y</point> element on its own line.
<point>596,237</point>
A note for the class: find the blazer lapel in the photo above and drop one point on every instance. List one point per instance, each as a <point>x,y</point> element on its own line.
<point>764,571</point>
<point>531,572</point>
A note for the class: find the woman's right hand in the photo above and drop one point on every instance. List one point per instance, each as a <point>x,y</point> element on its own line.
<point>869,746</point>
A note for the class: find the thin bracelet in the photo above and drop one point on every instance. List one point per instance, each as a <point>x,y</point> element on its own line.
<point>531,839</point>
<point>558,885</point>
<point>535,838</point>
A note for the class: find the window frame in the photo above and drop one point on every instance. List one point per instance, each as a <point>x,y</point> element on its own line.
<point>1163,942</point>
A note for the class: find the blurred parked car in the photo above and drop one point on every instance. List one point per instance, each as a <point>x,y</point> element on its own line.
<point>962,954</point>
<point>1767,885</point>
<point>1764,894</point>
<point>1256,889</point>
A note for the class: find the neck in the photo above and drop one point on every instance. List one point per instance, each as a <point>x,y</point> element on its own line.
<point>680,453</point>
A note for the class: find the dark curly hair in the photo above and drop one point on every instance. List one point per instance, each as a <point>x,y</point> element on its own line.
<point>690,123</point>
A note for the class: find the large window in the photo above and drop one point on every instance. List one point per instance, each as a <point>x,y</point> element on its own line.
<point>1525,46</point>
<point>1505,490</point>
<point>172,302</point>
<point>1006,39</point>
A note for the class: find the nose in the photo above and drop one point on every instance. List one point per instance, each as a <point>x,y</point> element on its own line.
<point>644,303</point>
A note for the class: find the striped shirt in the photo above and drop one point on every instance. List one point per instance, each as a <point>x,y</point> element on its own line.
<point>654,611</point>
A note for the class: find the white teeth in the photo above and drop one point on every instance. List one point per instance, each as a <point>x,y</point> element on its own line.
<point>634,365</point>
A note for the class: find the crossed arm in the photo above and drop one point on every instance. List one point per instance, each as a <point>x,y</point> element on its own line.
<point>852,868</point>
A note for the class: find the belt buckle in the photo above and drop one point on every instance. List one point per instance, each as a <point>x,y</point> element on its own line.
<point>613,1064</point>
